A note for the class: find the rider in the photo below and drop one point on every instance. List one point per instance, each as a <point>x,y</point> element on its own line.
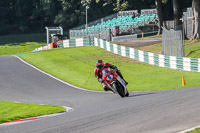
<point>99,67</point>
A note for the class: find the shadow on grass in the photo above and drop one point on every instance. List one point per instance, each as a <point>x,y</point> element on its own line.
<point>192,52</point>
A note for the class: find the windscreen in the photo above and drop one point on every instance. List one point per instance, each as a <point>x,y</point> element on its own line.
<point>105,71</point>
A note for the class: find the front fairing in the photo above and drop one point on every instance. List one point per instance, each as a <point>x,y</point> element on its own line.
<point>107,75</point>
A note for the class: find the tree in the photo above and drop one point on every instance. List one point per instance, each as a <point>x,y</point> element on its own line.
<point>178,13</point>
<point>23,13</point>
<point>196,19</point>
<point>71,14</point>
<point>8,16</point>
<point>159,8</point>
<point>119,5</point>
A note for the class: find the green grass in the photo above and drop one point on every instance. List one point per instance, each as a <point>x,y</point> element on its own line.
<point>155,48</point>
<point>17,48</point>
<point>17,44</point>
<point>195,131</point>
<point>14,111</point>
<point>192,48</point>
<point>76,66</point>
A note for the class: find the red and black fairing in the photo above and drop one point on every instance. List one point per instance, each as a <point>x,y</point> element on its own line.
<point>109,76</point>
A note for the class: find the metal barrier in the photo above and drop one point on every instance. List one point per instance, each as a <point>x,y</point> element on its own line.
<point>149,11</point>
<point>127,13</point>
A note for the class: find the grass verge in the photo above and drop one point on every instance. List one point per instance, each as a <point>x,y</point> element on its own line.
<point>195,131</point>
<point>14,111</point>
<point>17,48</point>
<point>76,66</point>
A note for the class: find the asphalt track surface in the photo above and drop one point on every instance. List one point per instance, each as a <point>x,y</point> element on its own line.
<point>166,111</point>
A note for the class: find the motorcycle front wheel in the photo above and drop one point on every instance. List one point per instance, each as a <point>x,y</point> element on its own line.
<point>119,89</point>
<point>127,94</point>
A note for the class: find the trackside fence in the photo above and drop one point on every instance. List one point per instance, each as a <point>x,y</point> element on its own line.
<point>173,42</point>
<point>173,62</point>
<point>80,42</point>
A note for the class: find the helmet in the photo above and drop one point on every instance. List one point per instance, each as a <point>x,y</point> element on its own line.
<point>99,64</point>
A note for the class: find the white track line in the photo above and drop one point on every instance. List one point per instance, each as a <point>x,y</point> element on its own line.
<point>188,130</point>
<point>55,77</point>
<point>68,109</point>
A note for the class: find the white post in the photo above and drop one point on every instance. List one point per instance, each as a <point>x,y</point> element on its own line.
<point>61,29</point>
<point>86,8</point>
<point>47,31</point>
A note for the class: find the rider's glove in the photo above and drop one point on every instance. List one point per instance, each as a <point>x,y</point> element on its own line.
<point>100,80</point>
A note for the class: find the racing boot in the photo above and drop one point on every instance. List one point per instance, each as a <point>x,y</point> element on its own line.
<point>107,89</point>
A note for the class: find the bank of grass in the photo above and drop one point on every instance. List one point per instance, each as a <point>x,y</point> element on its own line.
<point>14,111</point>
<point>76,66</point>
<point>17,48</point>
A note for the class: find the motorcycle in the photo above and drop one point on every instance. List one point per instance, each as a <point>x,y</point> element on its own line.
<point>114,82</point>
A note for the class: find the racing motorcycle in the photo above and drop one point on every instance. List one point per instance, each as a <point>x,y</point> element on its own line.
<point>114,82</point>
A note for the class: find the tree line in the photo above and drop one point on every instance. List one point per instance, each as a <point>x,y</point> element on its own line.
<point>31,16</point>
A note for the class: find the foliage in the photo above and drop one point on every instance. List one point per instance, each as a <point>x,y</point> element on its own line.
<point>121,5</point>
<point>30,16</point>
<point>25,16</point>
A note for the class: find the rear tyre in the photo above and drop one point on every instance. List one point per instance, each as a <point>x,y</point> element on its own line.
<point>119,89</point>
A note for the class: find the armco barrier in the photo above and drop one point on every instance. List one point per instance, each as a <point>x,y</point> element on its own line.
<point>42,48</point>
<point>178,63</point>
<point>78,42</point>
<point>70,43</point>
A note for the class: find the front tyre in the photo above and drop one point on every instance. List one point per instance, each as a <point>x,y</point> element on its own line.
<point>119,89</point>
<point>127,94</point>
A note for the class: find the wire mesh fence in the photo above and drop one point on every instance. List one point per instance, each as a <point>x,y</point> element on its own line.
<point>173,42</point>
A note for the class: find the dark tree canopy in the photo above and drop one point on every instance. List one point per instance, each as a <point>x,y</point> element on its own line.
<point>30,16</point>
